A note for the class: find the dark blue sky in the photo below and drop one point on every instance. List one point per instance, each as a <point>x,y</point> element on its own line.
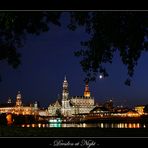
<point>47,58</point>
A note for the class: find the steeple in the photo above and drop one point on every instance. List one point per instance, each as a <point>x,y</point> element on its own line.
<point>65,92</point>
<point>65,85</point>
<point>65,109</point>
<point>65,78</point>
<point>86,92</point>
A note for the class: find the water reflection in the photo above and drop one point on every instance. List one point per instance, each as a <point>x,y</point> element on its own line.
<point>55,125</point>
<point>86,125</point>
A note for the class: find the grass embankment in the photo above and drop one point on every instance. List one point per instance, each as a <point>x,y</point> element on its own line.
<point>6,131</point>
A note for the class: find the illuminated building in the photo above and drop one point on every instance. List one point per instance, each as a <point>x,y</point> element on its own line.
<point>66,108</point>
<point>132,113</point>
<point>109,105</point>
<point>86,92</point>
<point>18,108</point>
<point>54,108</point>
<point>72,105</point>
<point>140,109</point>
<point>18,99</point>
<point>100,110</point>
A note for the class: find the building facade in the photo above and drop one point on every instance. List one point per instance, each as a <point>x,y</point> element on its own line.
<point>140,109</point>
<point>70,106</point>
<point>18,107</point>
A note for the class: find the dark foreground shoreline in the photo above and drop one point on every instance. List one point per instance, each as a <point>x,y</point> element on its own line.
<point>73,137</point>
<point>12,131</point>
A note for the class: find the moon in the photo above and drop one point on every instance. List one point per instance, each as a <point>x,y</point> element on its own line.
<point>100,76</point>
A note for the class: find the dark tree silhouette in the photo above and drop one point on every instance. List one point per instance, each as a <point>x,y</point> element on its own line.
<point>125,31</point>
<point>15,25</point>
<point>58,113</point>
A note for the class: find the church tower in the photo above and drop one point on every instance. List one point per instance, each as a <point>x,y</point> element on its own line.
<point>65,110</point>
<point>86,92</point>
<point>18,99</point>
<point>65,92</point>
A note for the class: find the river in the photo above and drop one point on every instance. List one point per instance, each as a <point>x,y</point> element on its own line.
<point>86,125</point>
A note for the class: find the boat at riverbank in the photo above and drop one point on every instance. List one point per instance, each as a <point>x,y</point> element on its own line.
<point>55,120</point>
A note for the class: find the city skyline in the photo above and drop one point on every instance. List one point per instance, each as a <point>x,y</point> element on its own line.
<point>47,58</point>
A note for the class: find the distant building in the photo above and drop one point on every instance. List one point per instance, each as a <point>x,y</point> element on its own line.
<point>18,107</point>
<point>109,105</point>
<point>69,106</point>
<point>43,112</point>
<point>140,109</point>
<point>18,99</point>
<point>54,108</point>
<point>120,109</point>
<point>9,100</point>
<point>100,111</point>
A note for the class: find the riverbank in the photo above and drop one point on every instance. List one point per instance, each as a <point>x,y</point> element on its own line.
<point>12,131</point>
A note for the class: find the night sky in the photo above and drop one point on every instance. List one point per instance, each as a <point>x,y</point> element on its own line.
<point>47,58</point>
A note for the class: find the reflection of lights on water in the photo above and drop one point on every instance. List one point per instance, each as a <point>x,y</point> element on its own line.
<point>119,125</point>
<point>122,125</point>
<point>138,125</point>
<point>106,125</point>
<point>64,125</point>
<point>39,125</point>
<point>84,124</point>
<point>102,125</point>
<point>43,125</point>
<point>55,125</point>
<point>33,125</point>
<point>130,125</point>
<point>23,125</point>
<point>112,125</point>
<point>28,125</point>
<point>134,125</point>
<point>47,125</point>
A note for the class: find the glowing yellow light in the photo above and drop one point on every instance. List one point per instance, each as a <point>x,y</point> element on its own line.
<point>102,125</point>
<point>9,119</point>
<point>28,125</point>
<point>84,124</point>
<point>39,125</point>
<point>130,125</point>
<point>33,125</point>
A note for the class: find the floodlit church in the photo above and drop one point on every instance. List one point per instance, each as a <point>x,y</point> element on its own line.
<point>69,106</point>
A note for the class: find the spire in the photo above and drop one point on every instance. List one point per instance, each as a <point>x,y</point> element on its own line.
<point>65,88</point>
<point>58,96</point>
<point>86,92</point>
<point>65,78</point>
<point>65,83</point>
